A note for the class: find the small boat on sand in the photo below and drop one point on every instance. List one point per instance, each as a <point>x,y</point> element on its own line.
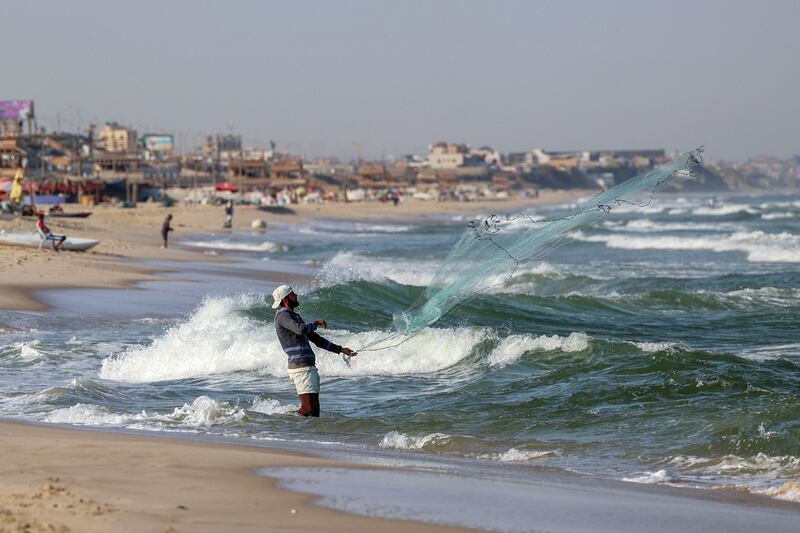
<point>32,240</point>
<point>82,214</point>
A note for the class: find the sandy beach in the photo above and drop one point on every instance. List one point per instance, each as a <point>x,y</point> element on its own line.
<point>61,479</point>
<point>56,479</point>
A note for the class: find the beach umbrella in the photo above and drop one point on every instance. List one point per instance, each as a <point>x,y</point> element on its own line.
<point>226,186</point>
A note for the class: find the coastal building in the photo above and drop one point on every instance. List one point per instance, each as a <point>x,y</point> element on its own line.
<point>114,138</point>
<point>222,145</point>
<point>443,155</point>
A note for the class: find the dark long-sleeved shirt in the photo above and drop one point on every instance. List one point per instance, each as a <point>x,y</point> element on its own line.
<point>294,335</point>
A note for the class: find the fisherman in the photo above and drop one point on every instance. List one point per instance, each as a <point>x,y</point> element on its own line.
<point>46,234</point>
<point>165,229</point>
<point>294,335</point>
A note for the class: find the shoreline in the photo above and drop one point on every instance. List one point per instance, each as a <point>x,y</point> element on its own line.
<point>98,479</point>
<point>131,235</point>
<point>79,480</point>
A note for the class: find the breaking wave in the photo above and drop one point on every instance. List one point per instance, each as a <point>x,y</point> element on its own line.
<point>759,246</point>
<point>235,246</point>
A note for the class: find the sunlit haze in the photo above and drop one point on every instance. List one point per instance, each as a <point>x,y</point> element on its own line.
<point>381,78</point>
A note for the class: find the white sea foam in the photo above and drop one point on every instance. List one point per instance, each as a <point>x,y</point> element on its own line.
<point>779,216</point>
<point>789,491</point>
<point>361,227</point>
<point>772,352</point>
<point>648,226</point>
<point>773,296</point>
<point>270,406</point>
<point>513,347</point>
<point>759,246</point>
<point>202,412</point>
<point>216,339</point>
<point>661,476</point>
<point>88,414</point>
<point>28,351</point>
<point>347,266</point>
<point>402,441</point>
<point>238,246</point>
<point>651,347</point>
<point>723,210</point>
<point>516,455</point>
<point>759,464</point>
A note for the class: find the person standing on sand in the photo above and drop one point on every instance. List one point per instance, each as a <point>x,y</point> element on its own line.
<point>165,229</point>
<point>228,215</point>
<point>294,335</point>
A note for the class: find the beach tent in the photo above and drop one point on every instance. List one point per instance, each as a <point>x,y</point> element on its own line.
<point>226,186</point>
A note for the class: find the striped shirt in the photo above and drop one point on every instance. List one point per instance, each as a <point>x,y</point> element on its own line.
<point>294,335</point>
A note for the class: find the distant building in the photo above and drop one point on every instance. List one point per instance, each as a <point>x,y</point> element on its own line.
<point>221,145</point>
<point>115,138</point>
<point>443,155</point>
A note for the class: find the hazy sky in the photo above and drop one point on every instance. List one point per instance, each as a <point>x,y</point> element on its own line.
<point>384,78</point>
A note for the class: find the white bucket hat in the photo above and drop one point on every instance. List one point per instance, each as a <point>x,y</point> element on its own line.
<point>280,293</point>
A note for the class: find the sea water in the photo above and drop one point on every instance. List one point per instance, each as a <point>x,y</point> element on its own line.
<point>661,346</point>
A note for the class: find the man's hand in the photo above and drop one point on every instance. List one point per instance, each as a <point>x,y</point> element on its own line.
<point>321,323</point>
<point>349,353</point>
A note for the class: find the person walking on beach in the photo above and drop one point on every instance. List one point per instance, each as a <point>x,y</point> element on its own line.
<point>294,335</point>
<point>165,229</point>
<point>47,235</point>
<point>228,215</point>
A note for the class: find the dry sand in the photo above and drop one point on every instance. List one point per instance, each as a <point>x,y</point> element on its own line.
<point>127,234</point>
<point>57,479</point>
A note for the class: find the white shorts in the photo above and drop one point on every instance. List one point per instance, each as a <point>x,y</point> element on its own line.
<point>306,379</point>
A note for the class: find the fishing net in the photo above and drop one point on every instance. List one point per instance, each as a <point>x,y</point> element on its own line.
<point>491,249</point>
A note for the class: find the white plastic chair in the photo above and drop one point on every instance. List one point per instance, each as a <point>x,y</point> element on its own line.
<point>44,237</point>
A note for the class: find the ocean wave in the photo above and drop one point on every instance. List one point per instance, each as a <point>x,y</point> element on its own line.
<point>237,246</point>
<point>789,491</point>
<point>772,352</point>
<point>646,225</point>
<point>401,441</point>
<point>361,227</point>
<point>759,246</point>
<point>773,296</point>
<point>649,478</point>
<point>202,412</point>
<point>773,476</point>
<point>760,463</point>
<point>724,210</point>
<point>90,415</point>
<point>270,406</point>
<point>513,347</point>
<point>25,352</point>
<point>516,455</point>
<point>217,339</point>
<point>779,216</point>
<point>345,267</point>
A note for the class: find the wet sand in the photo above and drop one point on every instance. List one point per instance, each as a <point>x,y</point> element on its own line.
<point>60,479</point>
